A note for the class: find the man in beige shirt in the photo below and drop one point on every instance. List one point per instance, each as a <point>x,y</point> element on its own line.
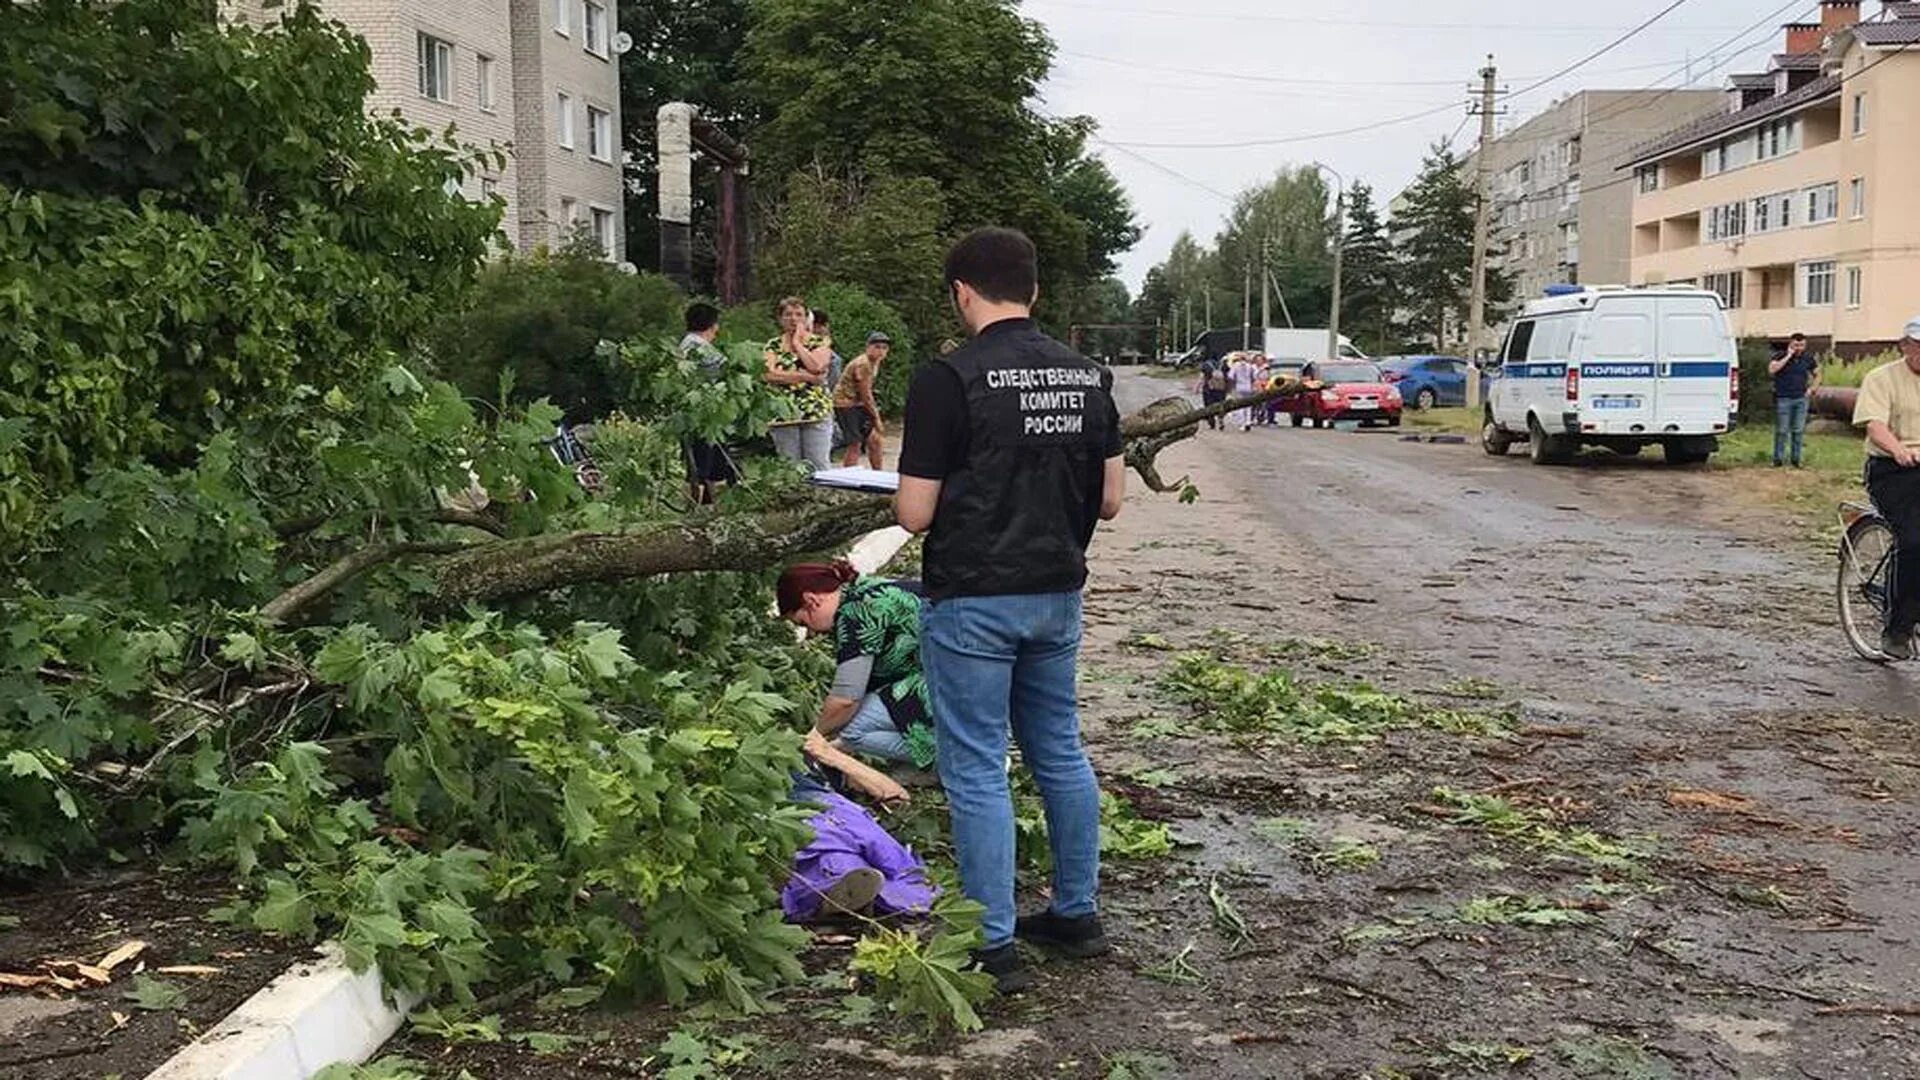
<point>1889,408</point>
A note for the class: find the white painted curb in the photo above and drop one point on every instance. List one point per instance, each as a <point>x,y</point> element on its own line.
<point>315,1014</point>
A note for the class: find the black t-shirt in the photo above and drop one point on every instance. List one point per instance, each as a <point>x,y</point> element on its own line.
<point>1022,479</point>
<point>1790,383</point>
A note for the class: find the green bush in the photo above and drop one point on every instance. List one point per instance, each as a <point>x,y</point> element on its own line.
<point>533,326</point>
<point>1756,383</point>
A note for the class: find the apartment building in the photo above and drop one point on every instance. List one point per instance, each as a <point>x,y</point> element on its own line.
<point>1556,218</point>
<point>538,80</point>
<point>1799,202</point>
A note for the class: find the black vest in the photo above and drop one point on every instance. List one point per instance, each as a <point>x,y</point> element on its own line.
<point>1017,515</point>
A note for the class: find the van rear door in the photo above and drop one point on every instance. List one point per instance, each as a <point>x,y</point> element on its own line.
<point>1619,387</point>
<point>1696,365</point>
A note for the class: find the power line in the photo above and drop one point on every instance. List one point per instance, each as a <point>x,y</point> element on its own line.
<point>1602,50</point>
<point>1544,26</point>
<point>1291,139</point>
<point>1169,170</point>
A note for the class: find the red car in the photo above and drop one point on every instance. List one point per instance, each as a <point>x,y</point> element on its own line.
<point>1349,390</point>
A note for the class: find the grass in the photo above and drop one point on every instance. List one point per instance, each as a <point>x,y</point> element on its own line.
<point>1456,420</point>
<point>1827,453</point>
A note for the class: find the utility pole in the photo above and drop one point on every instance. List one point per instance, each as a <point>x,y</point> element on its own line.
<point>1266,316</point>
<point>1482,220</point>
<point>1208,295</point>
<point>1187,342</point>
<point>1246,307</point>
<point>1339,256</point>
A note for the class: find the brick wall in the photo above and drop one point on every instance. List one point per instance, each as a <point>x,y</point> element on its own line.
<point>532,64</point>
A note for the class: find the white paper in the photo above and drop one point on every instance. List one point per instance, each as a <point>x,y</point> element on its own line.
<point>857,479</point>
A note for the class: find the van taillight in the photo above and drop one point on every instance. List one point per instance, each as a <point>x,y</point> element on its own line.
<point>1733,382</point>
<point>1573,384</point>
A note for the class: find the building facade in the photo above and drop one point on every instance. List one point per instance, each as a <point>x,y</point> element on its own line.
<point>1556,217</point>
<point>536,80</point>
<point>1799,202</point>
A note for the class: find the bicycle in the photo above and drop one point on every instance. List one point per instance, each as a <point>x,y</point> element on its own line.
<point>1866,578</point>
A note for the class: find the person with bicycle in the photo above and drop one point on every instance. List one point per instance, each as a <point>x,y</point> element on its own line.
<point>1889,410</point>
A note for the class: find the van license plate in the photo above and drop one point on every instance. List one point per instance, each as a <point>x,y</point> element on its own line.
<point>1616,403</point>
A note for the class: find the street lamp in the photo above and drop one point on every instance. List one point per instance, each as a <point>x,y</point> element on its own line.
<point>1339,251</point>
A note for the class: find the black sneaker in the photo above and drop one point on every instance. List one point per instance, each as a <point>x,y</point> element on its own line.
<point>1896,646</point>
<point>1010,975</point>
<point>1076,938</point>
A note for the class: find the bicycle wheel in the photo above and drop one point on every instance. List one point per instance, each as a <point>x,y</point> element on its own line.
<point>1866,574</point>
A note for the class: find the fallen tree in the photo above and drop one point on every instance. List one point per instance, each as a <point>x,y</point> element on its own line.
<point>815,522</point>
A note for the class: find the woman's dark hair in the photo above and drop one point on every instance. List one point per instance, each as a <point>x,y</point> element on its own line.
<point>802,580</point>
<point>999,264</point>
<point>702,318</point>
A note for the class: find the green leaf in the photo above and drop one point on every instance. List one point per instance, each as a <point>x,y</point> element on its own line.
<point>152,995</point>
<point>285,910</point>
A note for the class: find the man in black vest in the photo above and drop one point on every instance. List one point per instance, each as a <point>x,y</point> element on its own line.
<point>1012,455</point>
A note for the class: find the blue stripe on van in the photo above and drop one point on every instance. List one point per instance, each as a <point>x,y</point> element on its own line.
<point>1700,370</point>
<point>1535,371</point>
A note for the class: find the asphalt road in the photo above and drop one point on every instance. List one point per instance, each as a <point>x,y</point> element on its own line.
<point>1609,585</point>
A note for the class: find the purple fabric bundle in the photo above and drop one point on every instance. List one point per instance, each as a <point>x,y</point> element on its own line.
<point>846,838</point>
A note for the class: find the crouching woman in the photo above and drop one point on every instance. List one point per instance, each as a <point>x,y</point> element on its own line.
<point>878,705</point>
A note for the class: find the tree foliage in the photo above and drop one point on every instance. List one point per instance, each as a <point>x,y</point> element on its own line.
<point>195,222</point>
<point>277,594</point>
<point>1369,288</point>
<point>883,236</point>
<point>936,90</point>
<point>531,328</point>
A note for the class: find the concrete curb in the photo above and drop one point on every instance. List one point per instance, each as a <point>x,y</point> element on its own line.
<point>315,1014</point>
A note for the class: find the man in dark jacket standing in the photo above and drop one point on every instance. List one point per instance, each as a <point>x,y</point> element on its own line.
<point>1012,456</point>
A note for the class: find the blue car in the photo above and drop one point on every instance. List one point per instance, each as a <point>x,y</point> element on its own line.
<point>1427,381</point>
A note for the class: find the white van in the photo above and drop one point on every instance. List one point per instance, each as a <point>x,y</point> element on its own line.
<point>1624,368</point>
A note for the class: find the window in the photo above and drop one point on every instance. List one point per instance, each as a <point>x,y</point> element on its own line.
<point>603,231</point>
<point>1571,197</point>
<point>436,68</point>
<point>1779,138</point>
<point>1816,284</point>
<point>1517,342</point>
<point>1771,213</point>
<point>1823,203</point>
<point>569,214</point>
<point>1730,285</point>
<point>1649,179</point>
<point>1552,339</point>
<point>563,17</point>
<point>599,134</point>
<point>489,187</point>
<point>1857,197</point>
<point>484,82</point>
<point>1859,115</point>
<point>594,28</point>
<point>563,118</point>
<point>1854,286</point>
<point>1727,221</point>
<point>1573,151</point>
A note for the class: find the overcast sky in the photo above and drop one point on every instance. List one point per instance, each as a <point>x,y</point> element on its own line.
<point>1160,72</point>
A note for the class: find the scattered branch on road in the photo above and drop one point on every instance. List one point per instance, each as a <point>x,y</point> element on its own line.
<point>1171,420</point>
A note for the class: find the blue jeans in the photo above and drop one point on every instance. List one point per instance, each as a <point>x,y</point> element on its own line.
<point>1789,426</point>
<point>995,663</point>
<point>872,732</point>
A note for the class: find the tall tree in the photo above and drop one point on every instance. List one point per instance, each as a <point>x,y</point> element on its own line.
<point>937,89</point>
<point>683,50</point>
<point>1284,225</point>
<point>1368,292</point>
<point>882,235</point>
<point>1434,256</point>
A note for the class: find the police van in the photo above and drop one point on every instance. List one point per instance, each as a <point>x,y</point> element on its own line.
<point>1617,367</point>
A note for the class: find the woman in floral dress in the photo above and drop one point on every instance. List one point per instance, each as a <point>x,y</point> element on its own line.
<point>797,363</point>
